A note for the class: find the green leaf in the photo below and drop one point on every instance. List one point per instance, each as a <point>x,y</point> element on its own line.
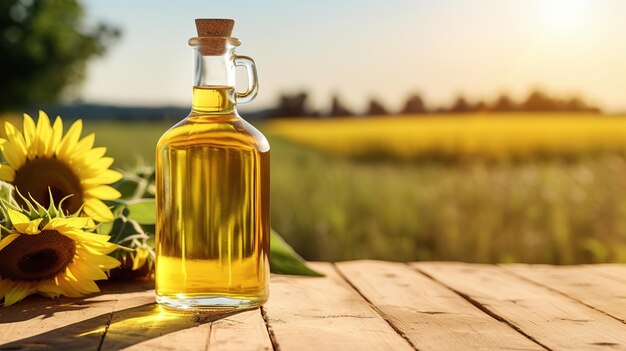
<point>142,211</point>
<point>284,260</point>
<point>128,188</point>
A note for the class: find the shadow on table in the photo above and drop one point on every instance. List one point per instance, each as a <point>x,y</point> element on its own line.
<point>100,328</point>
<point>37,306</point>
<point>125,328</point>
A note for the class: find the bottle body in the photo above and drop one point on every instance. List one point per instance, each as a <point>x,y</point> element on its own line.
<point>212,209</point>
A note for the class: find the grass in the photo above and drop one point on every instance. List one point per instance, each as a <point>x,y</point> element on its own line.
<point>549,211</point>
<point>130,143</point>
<point>329,207</point>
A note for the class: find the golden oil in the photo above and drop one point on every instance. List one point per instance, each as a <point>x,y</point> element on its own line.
<point>212,208</point>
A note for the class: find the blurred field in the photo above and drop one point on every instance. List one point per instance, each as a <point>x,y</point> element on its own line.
<point>330,207</point>
<point>452,137</point>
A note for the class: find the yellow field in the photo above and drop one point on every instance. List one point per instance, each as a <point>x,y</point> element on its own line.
<point>493,136</point>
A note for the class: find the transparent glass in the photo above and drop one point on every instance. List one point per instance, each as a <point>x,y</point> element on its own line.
<point>212,233</point>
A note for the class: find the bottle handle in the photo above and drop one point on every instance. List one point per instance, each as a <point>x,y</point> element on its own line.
<point>253,81</point>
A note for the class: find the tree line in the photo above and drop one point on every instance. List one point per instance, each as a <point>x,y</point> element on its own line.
<point>297,105</point>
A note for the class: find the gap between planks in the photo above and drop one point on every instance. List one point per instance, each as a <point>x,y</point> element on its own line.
<point>384,316</point>
<point>326,313</point>
<point>556,321</point>
<point>583,284</point>
<point>430,315</point>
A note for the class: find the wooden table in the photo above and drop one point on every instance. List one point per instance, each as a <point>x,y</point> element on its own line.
<point>359,305</point>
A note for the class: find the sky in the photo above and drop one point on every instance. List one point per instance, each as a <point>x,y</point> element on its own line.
<point>359,49</point>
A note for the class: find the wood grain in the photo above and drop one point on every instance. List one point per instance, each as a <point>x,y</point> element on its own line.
<point>325,313</point>
<point>431,316</point>
<point>611,270</point>
<point>65,324</point>
<point>552,319</point>
<point>151,328</point>
<point>580,283</point>
<point>243,331</point>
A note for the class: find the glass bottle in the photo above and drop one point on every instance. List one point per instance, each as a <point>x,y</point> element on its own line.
<point>212,232</point>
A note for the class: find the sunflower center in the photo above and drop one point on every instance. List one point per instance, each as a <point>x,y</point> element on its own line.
<point>37,257</point>
<point>36,176</point>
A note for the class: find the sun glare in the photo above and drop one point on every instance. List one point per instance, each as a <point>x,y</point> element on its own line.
<point>564,15</point>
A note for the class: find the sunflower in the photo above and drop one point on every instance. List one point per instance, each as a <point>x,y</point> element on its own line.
<point>43,251</point>
<point>42,159</point>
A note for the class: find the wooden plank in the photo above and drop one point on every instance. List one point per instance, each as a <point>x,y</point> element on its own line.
<point>325,313</point>
<point>226,334</point>
<point>65,324</point>
<point>152,328</point>
<point>611,270</point>
<point>431,316</point>
<point>580,283</point>
<point>551,319</point>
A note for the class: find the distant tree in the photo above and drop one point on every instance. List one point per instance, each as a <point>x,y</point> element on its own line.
<point>460,105</point>
<point>44,48</point>
<point>292,106</point>
<point>337,109</point>
<point>537,100</point>
<point>376,108</point>
<point>577,104</point>
<point>503,104</point>
<point>414,105</point>
<point>480,106</point>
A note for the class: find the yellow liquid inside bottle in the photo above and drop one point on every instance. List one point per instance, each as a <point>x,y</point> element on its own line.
<point>212,209</point>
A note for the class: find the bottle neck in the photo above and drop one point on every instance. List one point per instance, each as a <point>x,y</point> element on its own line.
<point>214,82</point>
<point>213,99</point>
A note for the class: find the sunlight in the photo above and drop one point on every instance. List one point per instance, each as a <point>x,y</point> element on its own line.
<point>564,15</point>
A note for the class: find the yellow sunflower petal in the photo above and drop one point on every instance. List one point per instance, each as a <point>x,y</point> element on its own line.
<point>94,154</point>
<point>95,168</point>
<point>98,210</point>
<point>104,262</point>
<point>49,288</point>
<point>103,192</point>
<point>5,286</point>
<point>30,135</point>
<point>85,144</point>
<point>19,291</point>
<point>69,274</point>
<point>70,223</point>
<point>22,224</point>
<point>7,173</point>
<point>93,239</point>
<point>80,282</point>
<point>31,227</point>
<point>64,283</point>
<point>102,163</point>
<point>15,137</point>
<point>17,217</point>
<point>87,270</point>
<point>8,239</point>
<point>44,134</point>
<point>12,155</point>
<point>57,134</point>
<point>141,255</point>
<point>107,176</point>
<point>97,249</point>
<point>86,286</point>
<point>70,140</point>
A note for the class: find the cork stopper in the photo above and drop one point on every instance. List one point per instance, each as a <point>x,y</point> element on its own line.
<point>213,35</point>
<point>214,27</point>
